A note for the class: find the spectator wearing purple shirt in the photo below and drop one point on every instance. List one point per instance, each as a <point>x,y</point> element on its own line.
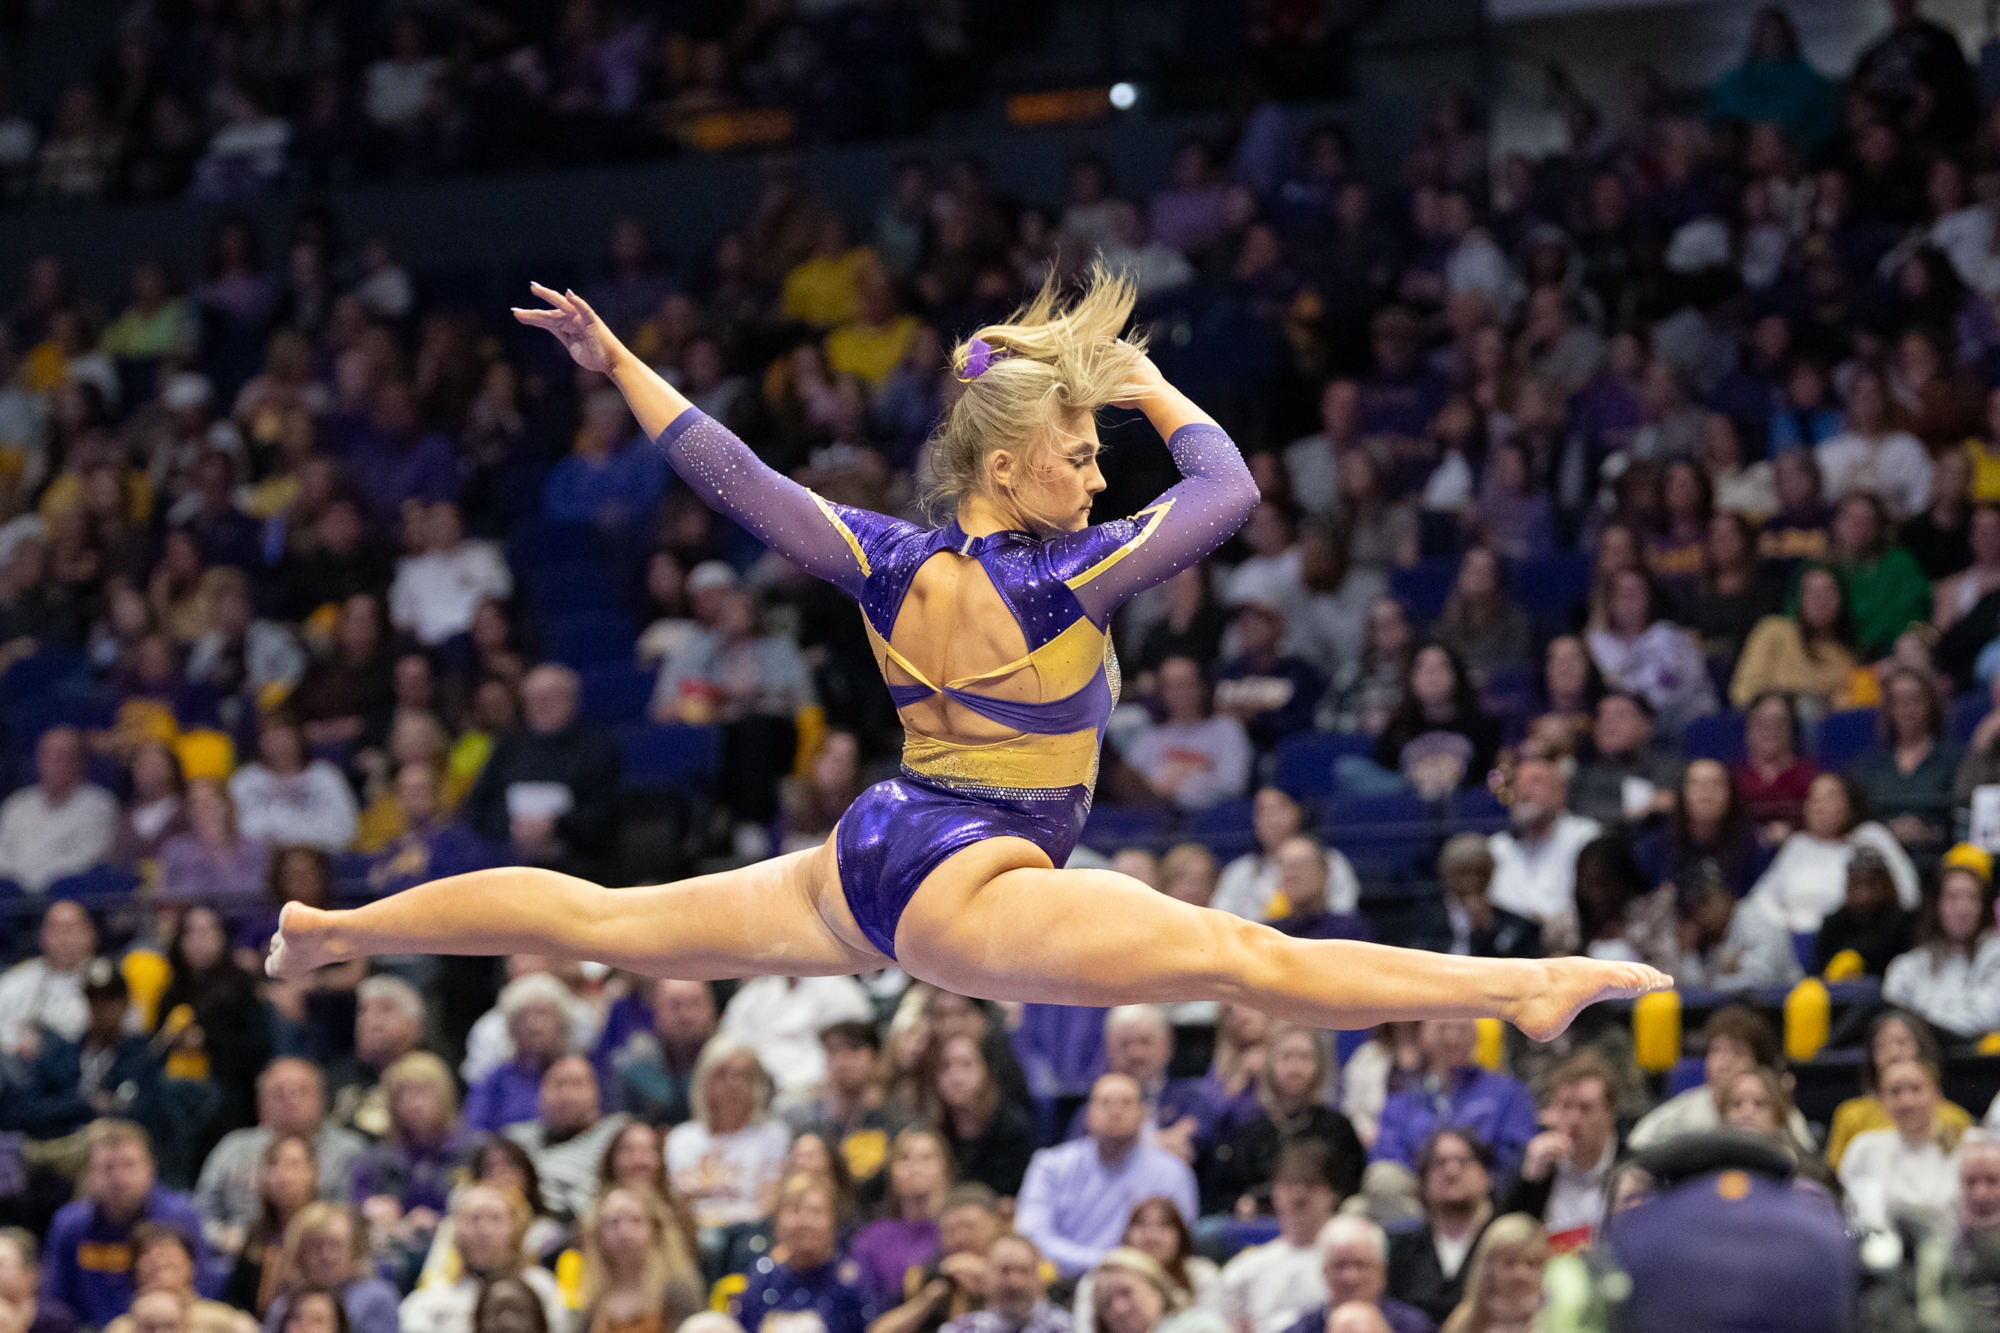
<point>87,1258</point>
<point>405,1180</point>
<point>906,1237</point>
<point>1139,1043</point>
<point>536,1008</point>
<point>1016,1296</point>
<point>1457,1094</point>
<point>392,461</point>
<point>814,1279</point>
<point>1356,1254</point>
<point>1076,1197</point>
<point>1401,395</point>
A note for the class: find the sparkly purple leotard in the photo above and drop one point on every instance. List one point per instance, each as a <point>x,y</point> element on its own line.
<point>1061,591</point>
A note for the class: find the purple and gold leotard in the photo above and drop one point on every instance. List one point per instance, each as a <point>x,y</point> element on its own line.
<point>1061,590</point>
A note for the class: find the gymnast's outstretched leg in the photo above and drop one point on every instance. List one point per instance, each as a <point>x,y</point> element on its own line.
<point>996,921</point>
<point>782,917</point>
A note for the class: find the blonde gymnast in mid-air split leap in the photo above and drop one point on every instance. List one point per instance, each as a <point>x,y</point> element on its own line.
<point>992,632</point>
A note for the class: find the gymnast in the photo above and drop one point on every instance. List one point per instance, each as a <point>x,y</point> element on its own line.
<point>993,635</point>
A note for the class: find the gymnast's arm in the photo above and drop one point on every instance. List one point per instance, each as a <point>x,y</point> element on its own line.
<point>719,467</point>
<point>1213,498</point>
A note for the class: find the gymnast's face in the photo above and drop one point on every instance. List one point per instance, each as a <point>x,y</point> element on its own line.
<point>1051,481</point>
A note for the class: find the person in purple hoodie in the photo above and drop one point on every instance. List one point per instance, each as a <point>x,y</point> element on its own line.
<point>88,1257</point>
<point>1456,1093</point>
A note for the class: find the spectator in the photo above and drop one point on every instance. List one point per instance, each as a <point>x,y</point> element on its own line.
<point>1133,1294</point>
<point>107,1070</point>
<point>487,1226</point>
<point>1730,944</point>
<point>1504,1288</point>
<point>611,479</point>
<point>1438,739</point>
<point>1894,1035</point>
<point>1248,882</point>
<point>1952,977</point>
<point>1367,694</point>
<point>1775,85</point>
<point>1869,923</point>
<point>1799,887</point>
<point>1076,1197</point>
<point>1958,592</point>
<point>20,1273</point>
<point>810,1279</point>
<point>1478,928</point>
<point>1638,649</point>
<point>570,1137</point>
<point>906,1237</point>
<point>725,1161</point>
<point>1192,628</point>
<point>290,1103</point>
<point>548,791</point>
<point>437,591</point>
<point>538,1011</point>
<point>1480,624</point>
<point>432,844</point>
<point>781,1017</point>
<point>1427,1267</point>
<point>1709,824</point>
<point>991,1138</point>
<point>1909,1172</point>
<point>655,1069</point>
<point>163,1264</point>
<point>403,1183</point>
<point>388,1025</point>
<point>638,1272</point>
<point>1139,1043</point>
<point>394,462</point>
<point>120,1193</point>
<point>287,1176</point>
<point>1305,876</point>
<point>1733,595</point>
<point>1940,536</point>
<point>1273,695</point>
<point>1266,1288</point>
<point>226,1029</point>
<point>1736,1039</point>
<point>1566,1167</point>
<point>1157,1230</point>
<point>1354,1253</point>
<point>1330,621</point>
<point>1016,1293</point>
<point>1772,779</point>
<point>213,860</point>
<point>60,826</point>
<point>1908,774</point>
<point>1534,860</point>
<point>1886,588</point>
<point>43,996</point>
<point>1192,758</point>
<point>244,660</point>
<point>326,1249</point>
<point>154,812</point>
<point>1290,1111</point>
<point>287,796</point>
<point>1454,1092</point>
<point>1869,455</point>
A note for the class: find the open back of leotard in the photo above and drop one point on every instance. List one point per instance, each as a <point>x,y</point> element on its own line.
<point>1060,591</point>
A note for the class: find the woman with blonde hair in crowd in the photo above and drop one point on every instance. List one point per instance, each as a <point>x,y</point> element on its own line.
<point>488,1224</point>
<point>1908,1172</point>
<point>1241,1035</point>
<point>636,1158</point>
<point>1156,1229</point>
<point>727,1161</point>
<point>326,1248</point>
<point>638,1274</point>
<point>1503,1290</point>
<point>1132,1293</point>
<point>404,1182</point>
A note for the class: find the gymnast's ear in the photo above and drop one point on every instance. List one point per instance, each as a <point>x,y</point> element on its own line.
<point>1003,470</point>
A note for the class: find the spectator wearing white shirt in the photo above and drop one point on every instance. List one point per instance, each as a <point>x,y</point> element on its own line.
<point>45,993</point>
<point>781,1018</point>
<point>1249,882</point>
<point>487,1226</point>
<point>728,1161</point>
<point>436,594</point>
<point>1191,759</point>
<point>285,800</point>
<point>1266,1288</point>
<point>399,87</point>
<point>1869,456</point>
<point>1534,861</point>
<point>1952,977</point>
<point>1908,1172</point>
<point>60,826</point>
<point>1153,267</point>
<point>1807,879</point>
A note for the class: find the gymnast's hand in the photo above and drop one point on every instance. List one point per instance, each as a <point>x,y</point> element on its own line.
<point>1144,384</point>
<point>590,342</point>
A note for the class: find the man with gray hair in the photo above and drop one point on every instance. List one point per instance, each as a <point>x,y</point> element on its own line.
<point>1139,1043</point>
<point>549,793</point>
<point>290,1100</point>
<point>1355,1253</point>
<point>388,1025</point>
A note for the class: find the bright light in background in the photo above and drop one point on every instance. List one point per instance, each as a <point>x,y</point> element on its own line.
<point>1123,95</point>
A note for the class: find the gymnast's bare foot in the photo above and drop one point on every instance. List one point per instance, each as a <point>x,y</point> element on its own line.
<point>301,944</point>
<point>1568,985</point>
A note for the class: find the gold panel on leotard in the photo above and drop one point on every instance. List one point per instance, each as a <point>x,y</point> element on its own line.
<point>1024,763</point>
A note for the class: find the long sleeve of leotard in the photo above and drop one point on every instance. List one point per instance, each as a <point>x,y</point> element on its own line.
<point>1114,561</point>
<point>773,508</point>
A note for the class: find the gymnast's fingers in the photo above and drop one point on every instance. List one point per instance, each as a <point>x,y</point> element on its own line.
<point>582,307</point>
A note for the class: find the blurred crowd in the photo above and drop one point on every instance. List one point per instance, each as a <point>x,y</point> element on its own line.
<point>1626,581</point>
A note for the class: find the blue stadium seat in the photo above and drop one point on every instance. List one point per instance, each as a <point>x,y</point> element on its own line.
<point>544,541</point>
<point>97,886</point>
<point>594,638</point>
<point>32,676</point>
<point>1548,586</point>
<point>1688,1072</point>
<point>1477,809</point>
<point>663,758</point>
<point>1967,712</point>
<point>574,586</point>
<point>28,719</point>
<point>616,692</point>
<point>1384,836</point>
<point>1803,942</point>
<point>1109,830</point>
<point>1224,829</point>
<point>1843,736</point>
<point>1303,765</point>
<point>1717,736</point>
<point>1422,590</point>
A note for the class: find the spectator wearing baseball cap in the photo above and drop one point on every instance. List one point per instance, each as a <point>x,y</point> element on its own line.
<point>1952,977</point>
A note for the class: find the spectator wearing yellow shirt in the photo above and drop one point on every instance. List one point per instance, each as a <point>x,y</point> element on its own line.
<point>156,323</point>
<point>1985,455</point>
<point>824,291</point>
<point>873,345</point>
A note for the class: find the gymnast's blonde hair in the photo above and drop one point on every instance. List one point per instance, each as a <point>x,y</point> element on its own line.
<point>1052,359</point>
